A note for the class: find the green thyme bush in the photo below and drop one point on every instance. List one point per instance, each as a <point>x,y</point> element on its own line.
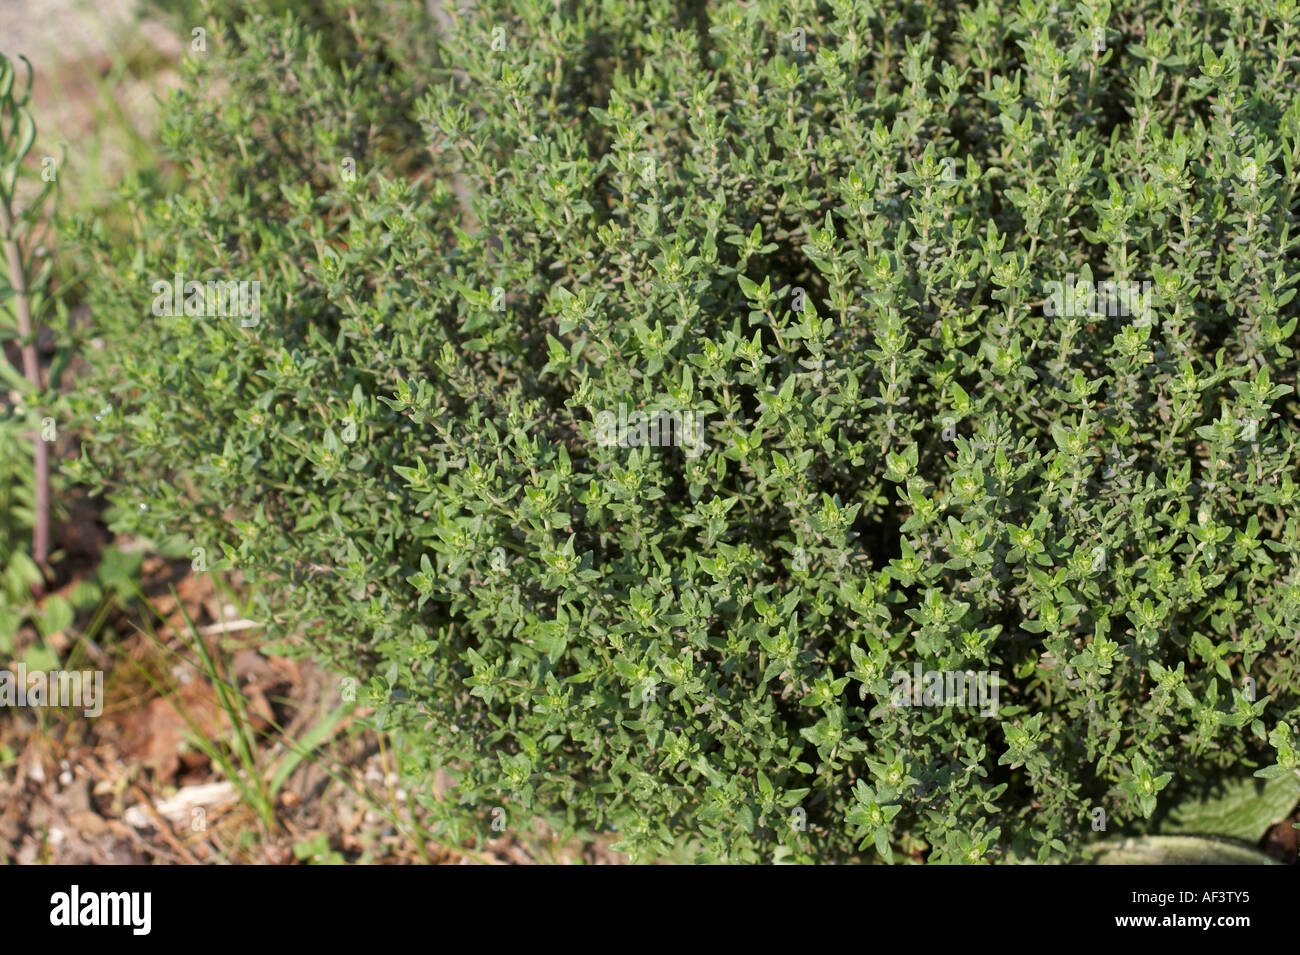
<point>642,394</point>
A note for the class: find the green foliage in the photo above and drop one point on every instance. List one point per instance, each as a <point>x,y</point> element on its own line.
<point>18,573</point>
<point>851,243</point>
